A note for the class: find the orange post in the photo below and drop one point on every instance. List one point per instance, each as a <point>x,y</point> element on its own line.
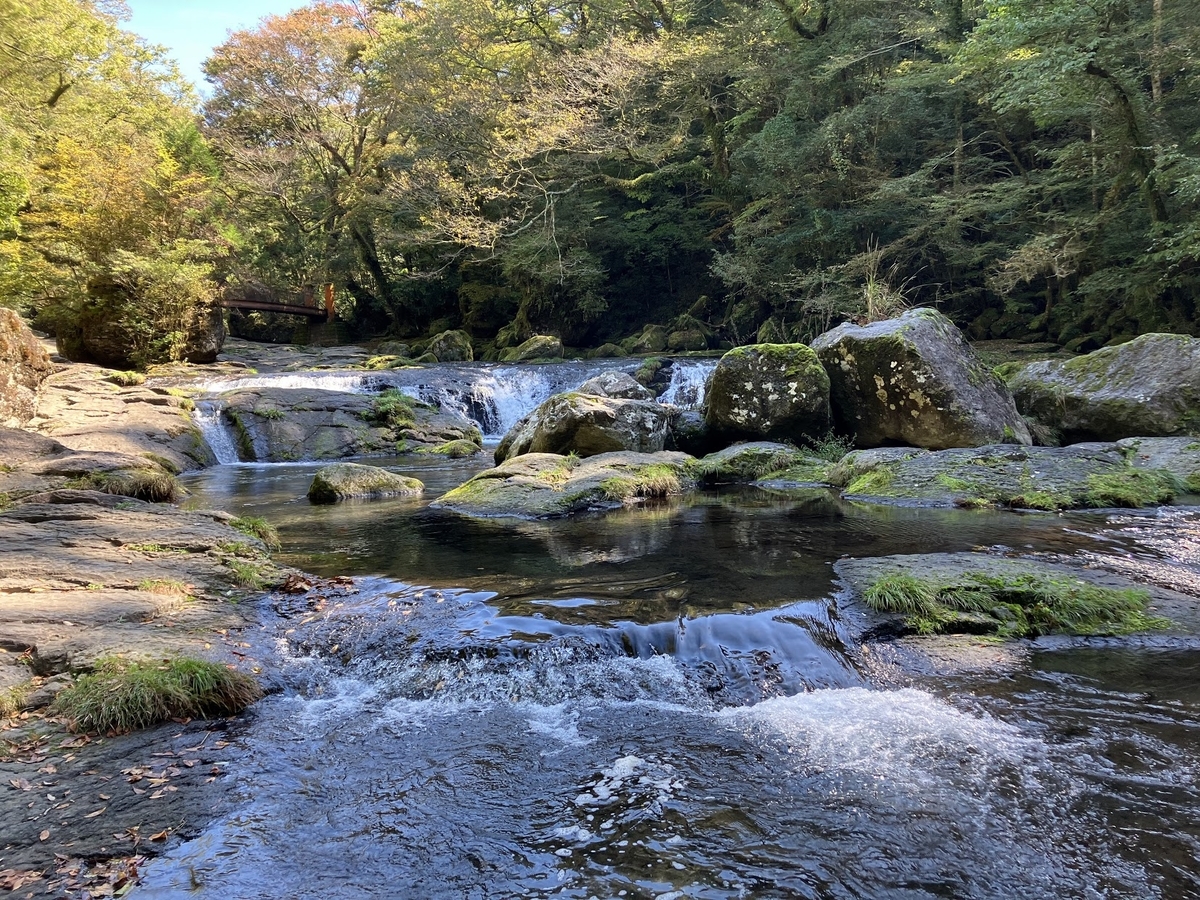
<point>329,302</point>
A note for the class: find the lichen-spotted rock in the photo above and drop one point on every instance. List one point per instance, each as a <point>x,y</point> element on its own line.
<point>1148,387</point>
<point>586,425</point>
<point>768,392</point>
<point>914,380</point>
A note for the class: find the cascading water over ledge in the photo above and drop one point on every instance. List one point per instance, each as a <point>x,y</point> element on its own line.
<point>493,395</point>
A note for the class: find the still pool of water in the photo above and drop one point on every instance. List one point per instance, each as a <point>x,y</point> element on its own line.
<point>665,702</point>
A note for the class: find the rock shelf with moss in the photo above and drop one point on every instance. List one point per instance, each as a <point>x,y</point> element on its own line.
<point>541,485</point>
<point>353,481</point>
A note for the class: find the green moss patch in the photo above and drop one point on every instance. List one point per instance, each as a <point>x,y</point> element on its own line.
<point>1011,605</point>
<point>459,449</point>
<point>122,695</point>
<point>391,409</point>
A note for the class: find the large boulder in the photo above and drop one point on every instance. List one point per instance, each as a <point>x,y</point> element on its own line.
<point>653,339</point>
<point>1148,387</point>
<point>914,380</point>
<point>540,346</point>
<point>451,346</point>
<point>538,485</point>
<point>351,481</point>
<point>768,392</point>
<point>586,425</point>
<point>24,365</point>
<point>616,384</point>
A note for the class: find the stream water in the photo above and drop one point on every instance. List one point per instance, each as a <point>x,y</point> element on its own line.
<point>664,702</point>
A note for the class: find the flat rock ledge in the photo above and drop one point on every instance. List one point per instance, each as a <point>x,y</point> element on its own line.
<point>541,485</point>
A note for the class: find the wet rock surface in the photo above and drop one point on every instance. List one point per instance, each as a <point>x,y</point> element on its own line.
<point>1148,387</point>
<point>540,485</point>
<point>914,380</point>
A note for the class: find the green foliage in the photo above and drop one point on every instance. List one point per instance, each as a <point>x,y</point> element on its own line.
<point>127,379</point>
<point>257,526</point>
<point>1021,605</point>
<point>652,481</point>
<point>391,409</point>
<point>122,695</point>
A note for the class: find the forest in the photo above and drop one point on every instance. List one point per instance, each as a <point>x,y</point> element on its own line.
<point>737,170</point>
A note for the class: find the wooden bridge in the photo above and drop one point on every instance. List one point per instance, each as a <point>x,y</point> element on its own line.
<point>305,304</point>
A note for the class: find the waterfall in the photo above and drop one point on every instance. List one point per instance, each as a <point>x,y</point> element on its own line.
<point>493,395</point>
<point>217,434</point>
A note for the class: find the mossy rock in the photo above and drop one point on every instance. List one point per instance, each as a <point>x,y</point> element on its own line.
<point>616,384</point>
<point>1147,387</point>
<point>351,481</point>
<point>686,340</point>
<point>450,346</point>
<point>540,485</point>
<point>754,461</point>
<point>1083,476</point>
<point>1178,455</point>
<point>540,346</point>
<point>606,351</point>
<point>768,392</point>
<point>653,339</point>
<point>459,449</point>
<point>914,380</point>
<point>588,425</point>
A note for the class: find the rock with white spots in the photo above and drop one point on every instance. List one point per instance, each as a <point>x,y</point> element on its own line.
<point>914,380</point>
<point>777,392</point>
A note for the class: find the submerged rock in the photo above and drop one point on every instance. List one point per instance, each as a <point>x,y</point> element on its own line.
<point>1046,478</point>
<point>24,365</point>
<point>586,424</point>
<point>540,346</point>
<point>1148,387</point>
<point>914,380</point>
<point>538,485</point>
<point>351,481</point>
<point>768,392</point>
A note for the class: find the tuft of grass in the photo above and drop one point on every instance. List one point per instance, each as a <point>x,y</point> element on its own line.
<point>876,482</point>
<point>1023,605</point>
<point>391,409</point>
<point>247,573</point>
<point>1132,488</point>
<point>127,379</point>
<point>269,412</point>
<point>153,548</point>
<point>650,481</point>
<point>831,448</point>
<point>165,587</point>
<point>12,699</point>
<point>122,695</point>
<point>6,501</point>
<point>257,526</point>
<point>141,484</point>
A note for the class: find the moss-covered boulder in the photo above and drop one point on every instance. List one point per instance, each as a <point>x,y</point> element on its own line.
<point>768,392</point>
<point>540,346</point>
<point>24,365</point>
<point>616,384</point>
<point>287,424</point>
<point>606,351</point>
<point>458,449</point>
<point>914,380</point>
<point>752,461</point>
<point>450,346</point>
<point>351,481</point>
<point>539,485</point>
<point>1005,475</point>
<point>1148,387</point>
<point>653,339</point>
<point>586,425</point>
<point>687,339</point>
<point>1180,456</point>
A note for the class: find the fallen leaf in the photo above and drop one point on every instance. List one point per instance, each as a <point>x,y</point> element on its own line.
<point>104,797</point>
<point>93,815</point>
<point>161,836</point>
<point>45,835</point>
<point>21,784</point>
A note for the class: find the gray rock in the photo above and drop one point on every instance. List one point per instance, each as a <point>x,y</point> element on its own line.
<point>1180,456</point>
<point>616,384</point>
<point>588,425</point>
<point>606,351</point>
<point>768,392</point>
<point>687,339</point>
<point>653,339</point>
<point>539,485</point>
<point>1148,387</point>
<point>752,461</point>
<point>351,481</point>
<point>914,380</point>
<point>450,346</point>
<point>24,365</point>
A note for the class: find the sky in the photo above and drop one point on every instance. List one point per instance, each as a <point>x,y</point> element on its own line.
<point>190,29</point>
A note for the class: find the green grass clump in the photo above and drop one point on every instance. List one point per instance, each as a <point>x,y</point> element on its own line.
<point>273,413</point>
<point>1132,488</point>
<point>831,448</point>
<point>6,501</point>
<point>12,699</point>
<point>1023,605</point>
<point>140,484</point>
<point>122,695</point>
<point>257,526</point>
<point>127,379</point>
<point>391,409</point>
<point>877,482</point>
<point>247,573</point>
<point>650,481</point>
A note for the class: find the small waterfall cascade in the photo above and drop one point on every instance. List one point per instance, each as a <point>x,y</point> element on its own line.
<point>493,395</point>
<point>216,432</point>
